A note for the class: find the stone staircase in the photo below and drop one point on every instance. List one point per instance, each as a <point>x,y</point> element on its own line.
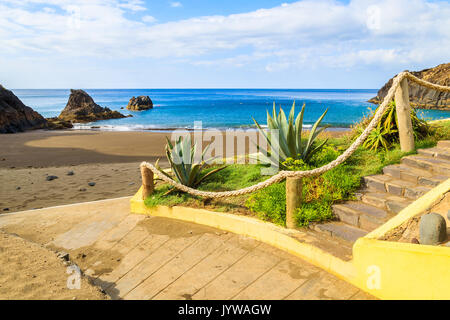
<point>385,195</point>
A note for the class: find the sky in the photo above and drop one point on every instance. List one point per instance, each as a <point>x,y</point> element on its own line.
<point>218,44</point>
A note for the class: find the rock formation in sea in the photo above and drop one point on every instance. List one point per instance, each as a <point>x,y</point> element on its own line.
<point>82,108</point>
<point>140,103</point>
<point>15,116</point>
<point>423,97</point>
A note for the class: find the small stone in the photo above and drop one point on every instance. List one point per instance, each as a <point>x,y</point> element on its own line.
<point>91,184</point>
<point>131,183</point>
<point>70,173</point>
<point>18,188</point>
<point>82,189</point>
<point>415,241</point>
<point>3,159</point>
<point>63,256</point>
<point>50,178</point>
<point>433,229</point>
<point>6,209</point>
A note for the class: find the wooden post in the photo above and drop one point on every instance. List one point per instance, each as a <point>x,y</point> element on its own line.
<point>147,182</point>
<point>403,110</point>
<point>293,200</point>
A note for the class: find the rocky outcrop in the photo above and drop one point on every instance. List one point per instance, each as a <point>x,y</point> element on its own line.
<point>56,123</point>
<point>15,116</point>
<point>423,97</point>
<point>140,103</point>
<point>82,108</point>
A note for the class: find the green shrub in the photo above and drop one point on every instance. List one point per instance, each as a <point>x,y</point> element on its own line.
<point>319,193</point>
<point>270,203</point>
<point>314,212</point>
<point>385,135</point>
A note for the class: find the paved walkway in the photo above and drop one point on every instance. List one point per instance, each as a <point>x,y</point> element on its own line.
<point>138,257</point>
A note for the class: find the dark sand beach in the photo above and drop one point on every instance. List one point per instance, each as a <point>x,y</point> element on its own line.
<point>108,159</point>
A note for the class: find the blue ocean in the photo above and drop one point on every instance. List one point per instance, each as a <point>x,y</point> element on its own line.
<point>215,108</point>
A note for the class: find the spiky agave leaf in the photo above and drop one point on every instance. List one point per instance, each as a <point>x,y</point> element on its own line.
<point>289,143</point>
<point>181,157</point>
<point>313,135</point>
<point>299,129</point>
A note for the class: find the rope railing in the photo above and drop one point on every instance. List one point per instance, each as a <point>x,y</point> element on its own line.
<point>308,173</point>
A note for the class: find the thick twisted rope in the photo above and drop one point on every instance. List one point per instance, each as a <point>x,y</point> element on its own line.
<point>427,84</point>
<point>308,173</point>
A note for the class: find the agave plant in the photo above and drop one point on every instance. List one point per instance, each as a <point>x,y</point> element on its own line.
<point>290,143</point>
<point>186,169</point>
<point>377,139</point>
<point>386,132</point>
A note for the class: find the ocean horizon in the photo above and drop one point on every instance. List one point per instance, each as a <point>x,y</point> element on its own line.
<point>215,108</point>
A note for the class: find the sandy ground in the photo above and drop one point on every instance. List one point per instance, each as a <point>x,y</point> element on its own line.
<point>108,159</point>
<point>410,229</point>
<point>31,272</point>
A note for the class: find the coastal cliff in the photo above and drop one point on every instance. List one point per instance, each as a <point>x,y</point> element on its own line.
<point>17,117</point>
<point>423,97</point>
<point>82,108</point>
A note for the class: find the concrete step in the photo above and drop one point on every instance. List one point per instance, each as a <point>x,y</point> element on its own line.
<point>377,182</point>
<point>444,144</point>
<point>376,199</point>
<point>437,166</point>
<point>397,206</point>
<point>398,187</point>
<point>439,153</point>
<point>385,201</point>
<point>416,192</point>
<point>389,193</point>
<point>340,230</point>
<point>432,181</point>
<point>361,215</point>
<point>405,172</point>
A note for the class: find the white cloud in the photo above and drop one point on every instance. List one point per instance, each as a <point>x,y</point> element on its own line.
<point>133,5</point>
<point>176,4</point>
<point>296,35</point>
<point>149,19</point>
